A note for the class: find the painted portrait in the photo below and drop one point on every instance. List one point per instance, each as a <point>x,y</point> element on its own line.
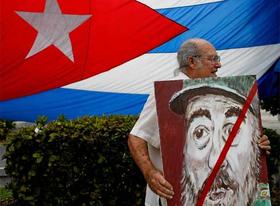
<point>208,110</point>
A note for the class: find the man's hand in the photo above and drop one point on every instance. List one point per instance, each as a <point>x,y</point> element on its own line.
<point>159,184</point>
<point>156,181</point>
<point>264,143</point>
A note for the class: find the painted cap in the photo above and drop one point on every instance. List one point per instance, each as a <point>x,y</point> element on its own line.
<point>236,88</point>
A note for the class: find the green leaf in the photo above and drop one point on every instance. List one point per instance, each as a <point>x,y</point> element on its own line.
<point>31,173</point>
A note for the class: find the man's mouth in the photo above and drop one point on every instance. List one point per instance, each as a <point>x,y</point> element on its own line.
<point>214,73</point>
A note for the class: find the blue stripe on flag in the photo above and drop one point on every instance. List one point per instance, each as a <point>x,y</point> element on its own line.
<point>228,24</point>
<point>72,104</point>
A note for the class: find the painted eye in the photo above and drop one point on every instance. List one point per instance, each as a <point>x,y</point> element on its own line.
<point>201,136</point>
<point>226,132</point>
<point>200,132</point>
<point>227,129</point>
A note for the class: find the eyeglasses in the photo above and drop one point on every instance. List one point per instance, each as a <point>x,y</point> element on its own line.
<point>213,59</point>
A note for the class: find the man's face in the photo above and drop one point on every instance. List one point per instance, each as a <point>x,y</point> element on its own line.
<point>205,64</point>
<point>210,120</point>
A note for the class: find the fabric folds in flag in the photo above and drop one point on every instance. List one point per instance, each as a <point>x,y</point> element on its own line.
<point>96,58</point>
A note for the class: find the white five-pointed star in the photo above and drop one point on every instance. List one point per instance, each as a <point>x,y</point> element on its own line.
<point>53,28</point>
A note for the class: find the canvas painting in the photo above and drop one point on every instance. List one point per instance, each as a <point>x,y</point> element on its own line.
<point>209,130</point>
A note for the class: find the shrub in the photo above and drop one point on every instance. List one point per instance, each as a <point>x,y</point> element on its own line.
<point>274,166</point>
<point>5,128</point>
<point>80,162</point>
<point>5,196</point>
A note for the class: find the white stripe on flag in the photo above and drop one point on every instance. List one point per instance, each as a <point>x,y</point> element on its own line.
<point>161,4</point>
<point>138,75</point>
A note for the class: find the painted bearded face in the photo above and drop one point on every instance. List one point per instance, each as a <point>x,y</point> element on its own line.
<point>210,119</point>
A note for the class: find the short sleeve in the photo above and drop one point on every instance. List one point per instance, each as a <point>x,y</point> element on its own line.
<point>146,126</point>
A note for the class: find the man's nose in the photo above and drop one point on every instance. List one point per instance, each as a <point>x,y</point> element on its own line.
<point>217,64</point>
<point>215,152</point>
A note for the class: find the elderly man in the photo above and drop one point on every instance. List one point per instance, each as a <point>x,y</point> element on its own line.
<point>197,58</point>
<point>207,128</point>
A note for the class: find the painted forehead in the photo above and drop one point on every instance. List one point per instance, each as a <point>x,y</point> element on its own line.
<point>210,103</point>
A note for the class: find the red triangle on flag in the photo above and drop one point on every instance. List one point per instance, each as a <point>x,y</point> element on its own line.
<point>116,32</point>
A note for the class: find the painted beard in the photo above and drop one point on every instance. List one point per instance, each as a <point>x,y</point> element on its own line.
<point>222,192</point>
<point>225,191</point>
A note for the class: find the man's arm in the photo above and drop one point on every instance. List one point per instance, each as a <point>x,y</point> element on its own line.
<point>139,151</point>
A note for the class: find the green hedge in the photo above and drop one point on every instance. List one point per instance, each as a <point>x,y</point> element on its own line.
<point>86,162</point>
<point>80,162</point>
<point>274,166</point>
<point>5,196</point>
<point>5,128</point>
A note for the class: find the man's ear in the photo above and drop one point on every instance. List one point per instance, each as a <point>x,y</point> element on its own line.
<point>191,61</point>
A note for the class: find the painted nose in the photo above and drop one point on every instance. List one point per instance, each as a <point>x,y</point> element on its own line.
<point>215,152</point>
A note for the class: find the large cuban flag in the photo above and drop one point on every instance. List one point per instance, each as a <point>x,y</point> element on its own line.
<point>97,57</point>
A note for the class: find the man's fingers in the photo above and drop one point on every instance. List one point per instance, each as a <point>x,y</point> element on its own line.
<point>160,185</point>
<point>162,191</point>
<point>265,145</point>
<point>167,189</point>
<point>165,183</point>
<point>264,142</point>
<point>164,194</point>
<point>266,148</point>
<point>262,139</point>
